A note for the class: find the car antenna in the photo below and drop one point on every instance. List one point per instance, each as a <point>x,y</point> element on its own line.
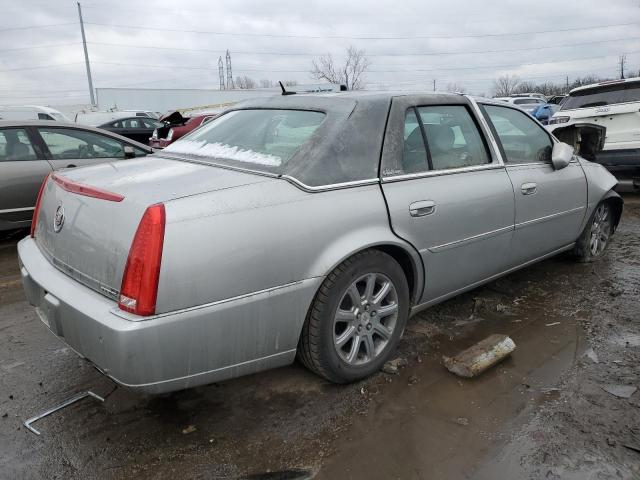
<point>284,91</point>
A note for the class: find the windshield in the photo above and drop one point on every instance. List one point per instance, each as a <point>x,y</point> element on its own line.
<point>260,139</point>
<point>620,93</point>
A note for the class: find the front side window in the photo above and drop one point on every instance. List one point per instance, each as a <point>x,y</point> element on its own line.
<point>522,139</point>
<point>66,144</point>
<point>453,138</point>
<point>259,138</point>
<point>15,145</point>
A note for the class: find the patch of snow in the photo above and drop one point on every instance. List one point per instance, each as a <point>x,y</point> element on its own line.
<point>221,150</point>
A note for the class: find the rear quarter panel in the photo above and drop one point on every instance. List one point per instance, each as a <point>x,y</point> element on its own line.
<point>255,237</point>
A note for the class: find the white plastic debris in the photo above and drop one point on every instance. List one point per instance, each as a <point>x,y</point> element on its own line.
<point>481,356</point>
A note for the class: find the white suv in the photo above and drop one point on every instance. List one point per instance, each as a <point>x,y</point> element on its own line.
<point>615,105</point>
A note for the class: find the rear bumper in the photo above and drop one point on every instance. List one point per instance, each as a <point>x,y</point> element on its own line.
<point>169,351</point>
<point>624,164</point>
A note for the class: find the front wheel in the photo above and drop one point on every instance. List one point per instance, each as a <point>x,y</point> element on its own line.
<point>356,319</point>
<point>596,235</point>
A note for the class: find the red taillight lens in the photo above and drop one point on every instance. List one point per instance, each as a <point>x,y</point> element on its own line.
<point>139,289</point>
<point>34,220</point>
<point>86,190</point>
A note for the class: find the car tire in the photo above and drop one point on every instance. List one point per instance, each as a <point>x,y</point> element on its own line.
<point>596,236</point>
<point>345,339</point>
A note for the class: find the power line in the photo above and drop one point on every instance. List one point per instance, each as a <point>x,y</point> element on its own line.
<point>209,68</point>
<point>37,26</point>
<point>41,66</point>
<point>347,37</point>
<point>395,54</point>
<point>55,45</point>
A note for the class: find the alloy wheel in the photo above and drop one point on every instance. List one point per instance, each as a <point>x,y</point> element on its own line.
<point>365,319</point>
<point>600,230</point>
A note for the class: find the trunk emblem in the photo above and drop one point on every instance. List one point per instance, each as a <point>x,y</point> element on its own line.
<point>58,220</point>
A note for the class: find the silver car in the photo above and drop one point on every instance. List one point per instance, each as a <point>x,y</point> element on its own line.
<point>302,225</point>
<point>32,149</point>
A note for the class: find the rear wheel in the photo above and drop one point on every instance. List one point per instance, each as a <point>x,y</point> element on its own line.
<point>356,319</point>
<point>596,235</point>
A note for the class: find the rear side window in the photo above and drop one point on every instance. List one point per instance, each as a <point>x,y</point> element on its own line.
<point>15,145</point>
<point>66,144</point>
<point>610,95</point>
<point>44,116</point>
<point>522,139</point>
<point>250,138</point>
<point>453,139</point>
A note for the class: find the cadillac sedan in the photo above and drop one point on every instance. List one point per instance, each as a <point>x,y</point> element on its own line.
<point>308,226</point>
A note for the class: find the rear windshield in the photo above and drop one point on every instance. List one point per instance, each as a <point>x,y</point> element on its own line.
<point>258,139</point>
<point>527,101</point>
<point>612,94</point>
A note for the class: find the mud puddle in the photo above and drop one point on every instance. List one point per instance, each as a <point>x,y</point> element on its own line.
<point>429,423</point>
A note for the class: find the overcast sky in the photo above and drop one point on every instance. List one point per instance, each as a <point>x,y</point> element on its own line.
<point>161,43</point>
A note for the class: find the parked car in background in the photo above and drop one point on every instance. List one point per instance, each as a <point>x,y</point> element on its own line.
<point>302,225</point>
<point>31,112</point>
<point>95,119</point>
<point>31,150</point>
<point>544,112</point>
<point>176,126</point>
<point>556,99</point>
<point>528,104</point>
<point>616,106</point>
<point>135,128</point>
<point>531,94</point>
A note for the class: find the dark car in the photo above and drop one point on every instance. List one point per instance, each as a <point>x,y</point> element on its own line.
<point>135,128</point>
<point>176,126</point>
<point>32,149</point>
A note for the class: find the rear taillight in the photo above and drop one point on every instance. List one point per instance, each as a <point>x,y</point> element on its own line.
<point>86,190</point>
<point>139,288</point>
<point>36,211</point>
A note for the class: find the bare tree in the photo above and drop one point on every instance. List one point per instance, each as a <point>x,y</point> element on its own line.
<point>350,74</point>
<point>266,83</point>
<point>245,83</point>
<point>455,87</point>
<point>505,85</point>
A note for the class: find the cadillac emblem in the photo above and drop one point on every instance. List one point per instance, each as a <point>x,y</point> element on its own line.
<point>58,220</point>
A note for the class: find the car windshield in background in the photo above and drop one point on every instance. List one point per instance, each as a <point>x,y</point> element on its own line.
<point>621,93</point>
<point>259,139</point>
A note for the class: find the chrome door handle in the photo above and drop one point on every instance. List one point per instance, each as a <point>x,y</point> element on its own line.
<point>529,188</point>
<point>422,208</point>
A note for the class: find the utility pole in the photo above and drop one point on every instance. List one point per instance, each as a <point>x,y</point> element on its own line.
<point>230,85</point>
<point>86,56</point>
<point>434,84</point>
<point>623,60</point>
<point>567,84</point>
<point>221,72</point>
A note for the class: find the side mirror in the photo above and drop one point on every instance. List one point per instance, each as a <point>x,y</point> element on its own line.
<point>129,152</point>
<point>561,155</point>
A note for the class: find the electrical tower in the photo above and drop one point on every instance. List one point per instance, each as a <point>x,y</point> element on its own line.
<point>230,85</point>
<point>221,72</point>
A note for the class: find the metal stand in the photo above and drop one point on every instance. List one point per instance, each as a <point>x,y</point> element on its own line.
<point>66,403</point>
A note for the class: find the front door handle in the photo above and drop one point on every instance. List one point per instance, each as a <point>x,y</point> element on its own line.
<point>529,188</point>
<point>422,208</point>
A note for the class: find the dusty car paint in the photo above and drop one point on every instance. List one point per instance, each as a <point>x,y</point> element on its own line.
<point>245,252</point>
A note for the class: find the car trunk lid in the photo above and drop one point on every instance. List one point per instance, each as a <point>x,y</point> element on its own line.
<point>88,235</point>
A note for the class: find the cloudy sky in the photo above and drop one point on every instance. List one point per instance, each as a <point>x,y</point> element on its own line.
<point>161,43</point>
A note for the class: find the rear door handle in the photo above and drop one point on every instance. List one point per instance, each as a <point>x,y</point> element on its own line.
<point>422,208</point>
<point>529,188</point>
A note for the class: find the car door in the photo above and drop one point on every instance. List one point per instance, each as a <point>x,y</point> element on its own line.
<point>550,204</point>
<point>22,170</point>
<point>74,147</point>
<point>447,192</point>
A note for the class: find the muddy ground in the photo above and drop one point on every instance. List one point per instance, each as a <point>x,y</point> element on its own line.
<point>542,414</point>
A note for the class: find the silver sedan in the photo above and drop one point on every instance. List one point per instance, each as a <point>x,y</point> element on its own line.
<point>308,226</point>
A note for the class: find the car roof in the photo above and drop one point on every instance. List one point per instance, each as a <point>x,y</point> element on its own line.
<point>76,126</point>
<point>606,83</point>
